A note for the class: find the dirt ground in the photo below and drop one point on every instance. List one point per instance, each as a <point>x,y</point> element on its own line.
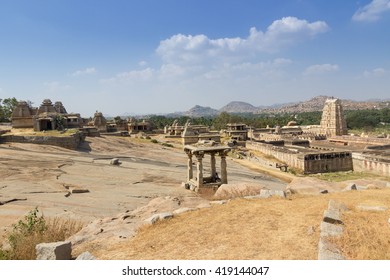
<point>41,176</point>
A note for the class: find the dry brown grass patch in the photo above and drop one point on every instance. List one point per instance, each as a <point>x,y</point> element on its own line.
<point>262,229</point>
<point>242,229</point>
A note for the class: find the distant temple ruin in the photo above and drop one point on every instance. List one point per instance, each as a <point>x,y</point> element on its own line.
<point>325,147</point>
<point>46,117</point>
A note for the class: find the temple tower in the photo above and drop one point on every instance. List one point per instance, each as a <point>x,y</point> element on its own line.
<point>333,121</point>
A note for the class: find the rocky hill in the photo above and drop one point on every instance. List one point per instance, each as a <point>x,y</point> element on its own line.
<point>238,107</point>
<point>200,111</point>
<point>317,104</point>
<point>311,105</point>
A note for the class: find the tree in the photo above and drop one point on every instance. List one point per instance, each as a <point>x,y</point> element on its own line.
<point>7,106</point>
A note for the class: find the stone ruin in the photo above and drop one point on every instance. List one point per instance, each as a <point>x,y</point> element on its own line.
<point>200,150</point>
<point>134,126</point>
<point>99,121</point>
<point>191,135</point>
<point>46,117</point>
<point>176,130</point>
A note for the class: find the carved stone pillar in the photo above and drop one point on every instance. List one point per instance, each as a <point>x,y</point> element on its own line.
<point>213,168</point>
<point>199,165</point>
<point>189,166</point>
<point>223,168</point>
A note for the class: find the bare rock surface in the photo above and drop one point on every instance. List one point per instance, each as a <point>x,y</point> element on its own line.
<point>227,191</point>
<point>86,256</point>
<point>99,193</point>
<point>309,185</point>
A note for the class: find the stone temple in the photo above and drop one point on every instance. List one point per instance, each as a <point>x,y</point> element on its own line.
<point>333,122</point>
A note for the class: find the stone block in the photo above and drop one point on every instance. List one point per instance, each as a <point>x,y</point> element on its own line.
<point>372,208</point>
<point>183,210</point>
<point>203,205</point>
<point>351,187</point>
<point>337,205</point>
<point>78,190</point>
<point>165,215</point>
<point>265,194</point>
<point>332,216</point>
<point>153,219</point>
<point>328,229</point>
<point>158,217</point>
<point>327,251</point>
<point>218,202</point>
<point>115,161</point>
<point>85,257</point>
<point>279,193</point>
<point>54,251</point>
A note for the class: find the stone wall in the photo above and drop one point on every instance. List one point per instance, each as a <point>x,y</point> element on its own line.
<point>360,140</point>
<point>305,161</point>
<point>293,159</point>
<point>68,142</point>
<point>328,162</point>
<point>22,122</point>
<point>370,163</point>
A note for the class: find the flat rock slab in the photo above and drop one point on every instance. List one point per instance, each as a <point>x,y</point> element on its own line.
<point>183,210</point>
<point>85,256</point>
<point>372,208</point>
<point>158,217</point>
<point>354,187</point>
<point>54,251</point>
<point>269,193</point>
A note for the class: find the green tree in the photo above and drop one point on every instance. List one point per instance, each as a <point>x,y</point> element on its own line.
<point>6,108</point>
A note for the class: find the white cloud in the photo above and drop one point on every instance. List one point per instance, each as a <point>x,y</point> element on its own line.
<point>372,11</point>
<point>377,72</point>
<point>131,76</point>
<point>86,71</point>
<point>142,63</point>
<point>282,33</point>
<point>320,69</point>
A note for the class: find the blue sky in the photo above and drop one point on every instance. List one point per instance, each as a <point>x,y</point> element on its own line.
<point>161,56</point>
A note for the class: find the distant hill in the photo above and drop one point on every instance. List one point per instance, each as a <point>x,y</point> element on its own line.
<point>238,107</point>
<point>311,105</point>
<point>317,104</point>
<point>200,111</point>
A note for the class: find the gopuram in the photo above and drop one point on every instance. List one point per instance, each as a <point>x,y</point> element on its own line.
<point>200,150</point>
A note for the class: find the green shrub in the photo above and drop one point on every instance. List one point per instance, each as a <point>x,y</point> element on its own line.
<point>154,141</point>
<point>35,229</point>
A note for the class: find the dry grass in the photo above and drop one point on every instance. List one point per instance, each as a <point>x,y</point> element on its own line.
<point>31,132</point>
<point>345,176</point>
<point>367,233</point>
<point>261,229</point>
<point>57,230</point>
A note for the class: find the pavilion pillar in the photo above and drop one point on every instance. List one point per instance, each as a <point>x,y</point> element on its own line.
<point>189,166</point>
<point>199,165</point>
<point>223,168</point>
<point>213,168</point>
